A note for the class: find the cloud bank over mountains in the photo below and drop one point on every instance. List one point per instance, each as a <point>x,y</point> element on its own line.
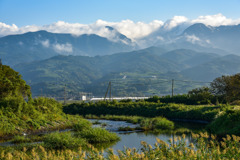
<point>133,30</point>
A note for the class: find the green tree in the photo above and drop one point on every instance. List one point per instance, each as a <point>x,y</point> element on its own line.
<point>200,95</point>
<point>11,84</point>
<point>227,87</point>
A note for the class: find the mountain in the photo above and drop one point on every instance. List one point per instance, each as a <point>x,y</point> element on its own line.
<point>222,37</point>
<point>116,36</point>
<point>90,74</point>
<point>80,72</point>
<point>226,65</point>
<point>40,45</point>
<point>188,58</point>
<point>222,40</point>
<point>136,61</point>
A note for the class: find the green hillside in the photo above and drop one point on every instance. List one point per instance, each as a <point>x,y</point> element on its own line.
<point>32,46</point>
<point>148,72</point>
<point>226,65</point>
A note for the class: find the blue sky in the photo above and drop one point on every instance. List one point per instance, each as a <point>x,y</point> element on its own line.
<point>41,12</point>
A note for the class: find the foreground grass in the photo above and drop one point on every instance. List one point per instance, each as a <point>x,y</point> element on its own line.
<point>206,147</point>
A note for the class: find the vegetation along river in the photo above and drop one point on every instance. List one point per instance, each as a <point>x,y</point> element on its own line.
<point>132,139</point>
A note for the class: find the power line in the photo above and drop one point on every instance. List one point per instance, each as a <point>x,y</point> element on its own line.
<point>192,81</point>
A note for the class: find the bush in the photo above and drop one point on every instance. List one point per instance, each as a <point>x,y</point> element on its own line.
<point>97,135</point>
<point>82,125</point>
<point>20,139</point>
<point>63,140</point>
<point>162,123</point>
<point>156,123</point>
<point>228,122</point>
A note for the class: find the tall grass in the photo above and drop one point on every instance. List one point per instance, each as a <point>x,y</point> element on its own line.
<point>206,147</point>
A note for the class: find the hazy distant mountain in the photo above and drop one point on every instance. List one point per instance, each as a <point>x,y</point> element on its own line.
<point>40,45</point>
<point>188,58</point>
<point>116,36</point>
<point>82,73</point>
<point>199,37</point>
<point>141,61</point>
<point>222,37</point>
<point>226,65</point>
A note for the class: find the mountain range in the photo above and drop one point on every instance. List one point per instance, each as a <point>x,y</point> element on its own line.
<point>83,73</point>
<point>49,61</point>
<point>41,45</point>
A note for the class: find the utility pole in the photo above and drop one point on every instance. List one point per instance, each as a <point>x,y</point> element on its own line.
<point>172,86</point>
<point>109,87</point>
<point>64,94</point>
<point>110,92</point>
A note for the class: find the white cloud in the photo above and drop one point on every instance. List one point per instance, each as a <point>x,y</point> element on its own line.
<point>192,38</point>
<point>131,29</point>
<point>20,43</point>
<point>160,38</point>
<point>137,30</point>
<point>215,20</point>
<point>208,41</point>
<point>175,21</point>
<point>63,47</point>
<point>45,43</point>
<point>7,29</point>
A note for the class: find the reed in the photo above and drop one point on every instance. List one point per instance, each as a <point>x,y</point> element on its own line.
<point>205,147</point>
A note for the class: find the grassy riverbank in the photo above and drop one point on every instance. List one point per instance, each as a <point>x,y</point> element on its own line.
<point>20,114</point>
<point>39,115</point>
<point>223,119</point>
<point>81,135</point>
<point>144,123</point>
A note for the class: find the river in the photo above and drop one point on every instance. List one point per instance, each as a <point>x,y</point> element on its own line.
<point>133,139</point>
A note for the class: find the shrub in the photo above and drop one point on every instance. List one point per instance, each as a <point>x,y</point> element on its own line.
<point>227,122</point>
<point>82,125</point>
<point>63,140</point>
<point>97,135</point>
<point>20,139</point>
<point>156,123</point>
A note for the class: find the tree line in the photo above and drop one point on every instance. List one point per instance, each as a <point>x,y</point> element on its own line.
<point>224,89</point>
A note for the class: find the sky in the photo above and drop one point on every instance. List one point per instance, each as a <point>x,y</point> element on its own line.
<point>18,15</point>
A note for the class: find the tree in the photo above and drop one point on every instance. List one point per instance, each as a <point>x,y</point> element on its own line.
<point>11,84</point>
<point>200,95</point>
<point>227,87</point>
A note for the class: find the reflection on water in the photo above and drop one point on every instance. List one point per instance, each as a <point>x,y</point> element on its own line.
<point>112,125</point>
<point>133,139</point>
